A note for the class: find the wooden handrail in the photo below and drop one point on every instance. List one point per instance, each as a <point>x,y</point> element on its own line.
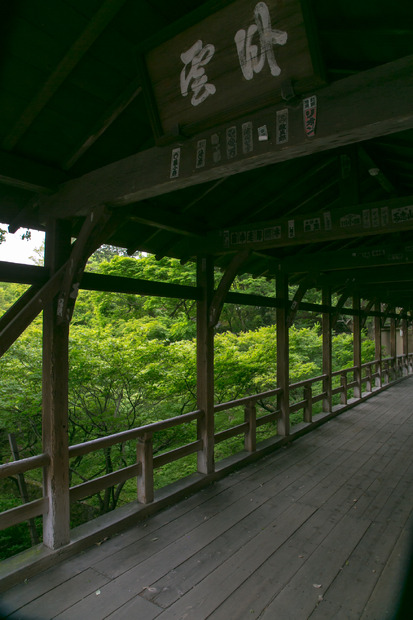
<point>304,382</point>
<point>23,465</point>
<point>245,400</point>
<point>105,442</point>
<point>146,462</point>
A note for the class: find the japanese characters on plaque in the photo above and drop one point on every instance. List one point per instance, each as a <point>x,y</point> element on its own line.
<point>295,231</point>
<point>235,59</point>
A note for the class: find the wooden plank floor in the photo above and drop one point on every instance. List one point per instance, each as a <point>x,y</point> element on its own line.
<point>318,530</point>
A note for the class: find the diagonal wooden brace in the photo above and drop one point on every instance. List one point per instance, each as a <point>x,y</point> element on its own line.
<point>224,286</point>
<point>96,228</point>
<point>298,297</point>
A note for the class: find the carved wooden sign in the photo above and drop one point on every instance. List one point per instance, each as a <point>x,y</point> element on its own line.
<point>232,62</point>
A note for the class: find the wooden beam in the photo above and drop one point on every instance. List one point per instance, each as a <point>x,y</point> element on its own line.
<point>95,27</point>
<point>351,110</point>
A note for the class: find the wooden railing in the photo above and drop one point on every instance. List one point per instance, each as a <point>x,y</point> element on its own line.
<point>366,378</point>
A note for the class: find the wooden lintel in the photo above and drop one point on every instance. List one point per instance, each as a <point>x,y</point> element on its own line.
<point>227,279</point>
<point>351,110</point>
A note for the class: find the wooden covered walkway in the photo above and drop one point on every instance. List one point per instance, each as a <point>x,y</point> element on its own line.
<point>320,529</point>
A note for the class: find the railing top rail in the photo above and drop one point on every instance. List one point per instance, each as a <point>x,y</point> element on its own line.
<point>133,433</point>
<point>336,373</point>
<point>245,400</point>
<point>365,364</point>
<point>293,386</point>
<point>23,465</point>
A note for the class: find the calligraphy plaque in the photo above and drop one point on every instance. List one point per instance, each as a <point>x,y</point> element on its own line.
<point>231,63</point>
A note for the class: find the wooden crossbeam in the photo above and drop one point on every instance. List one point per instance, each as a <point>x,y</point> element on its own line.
<point>353,109</point>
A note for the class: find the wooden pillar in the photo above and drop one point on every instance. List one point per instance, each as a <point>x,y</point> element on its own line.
<point>405,333</point>
<point>357,345</point>
<point>393,349</point>
<point>327,350</point>
<point>205,365</point>
<point>377,346</point>
<point>56,523</point>
<point>283,358</point>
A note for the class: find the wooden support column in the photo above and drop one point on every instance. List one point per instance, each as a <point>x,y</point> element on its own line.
<point>377,345</point>
<point>205,364</point>
<point>393,349</point>
<point>283,358</point>
<point>56,522</point>
<point>327,350</point>
<point>357,345</point>
<point>405,329</point>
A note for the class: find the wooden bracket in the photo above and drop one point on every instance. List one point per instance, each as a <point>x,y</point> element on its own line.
<point>386,314</point>
<point>298,297</point>
<point>97,227</point>
<point>227,279</point>
<point>366,311</point>
<point>340,305</point>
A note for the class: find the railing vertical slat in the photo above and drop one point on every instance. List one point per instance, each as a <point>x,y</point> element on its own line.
<point>308,409</point>
<point>250,416</point>
<point>144,455</point>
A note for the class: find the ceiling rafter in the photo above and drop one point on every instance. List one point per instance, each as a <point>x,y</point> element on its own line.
<point>105,121</point>
<point>83,43</point>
